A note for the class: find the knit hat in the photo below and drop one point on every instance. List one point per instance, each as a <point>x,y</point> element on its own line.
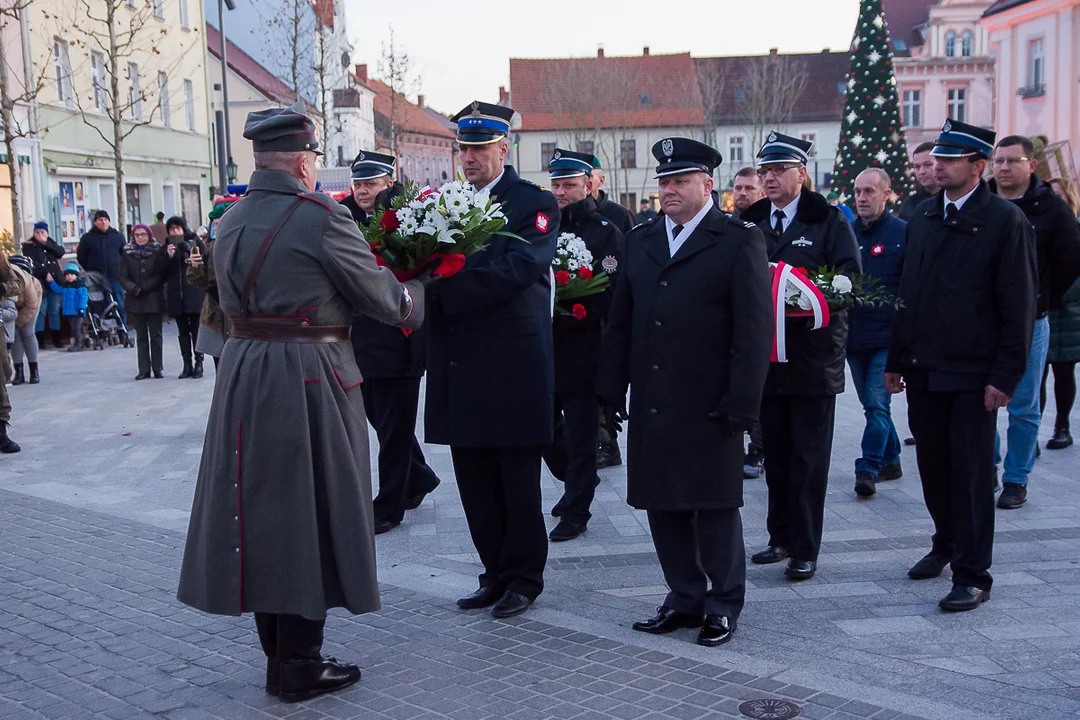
<point>176,221</point>
<point>144,228</point>
<point>98,214</point>
<point>72,267</point>
<point>41,225</point>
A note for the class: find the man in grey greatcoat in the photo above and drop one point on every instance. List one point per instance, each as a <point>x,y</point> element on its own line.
<point>281,524</point>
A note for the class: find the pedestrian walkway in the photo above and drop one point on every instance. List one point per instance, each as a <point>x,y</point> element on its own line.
<point>91,537</point>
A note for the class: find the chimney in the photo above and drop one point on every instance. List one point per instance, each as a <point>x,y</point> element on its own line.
<point>504,96</point>
<point>600,51</point>
<point>361,73</point>
<point>645,52</point>
<point>772,52</point>
<point>420,100</point>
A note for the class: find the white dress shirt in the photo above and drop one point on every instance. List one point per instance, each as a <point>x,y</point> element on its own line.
<point>789,212</point>
<point>674,243</point>
<point>958,203</point>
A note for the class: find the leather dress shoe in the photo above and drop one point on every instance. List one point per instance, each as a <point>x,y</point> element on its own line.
<point>929,567</point>
<point>382,526</point>
<point>417,500</point>
<point>1061,440</point>
<point>142,376</point>
<point>158,375</point>
<point>273,676</point>
<point>567,530</point>
<point>800,569</point>
<point>667,620</point>
<point>716,630</point>
<point>305,679</point>
<point>964,598</point>
<point>484,597</point>
<point>511,604</point>
<point>771,554</point>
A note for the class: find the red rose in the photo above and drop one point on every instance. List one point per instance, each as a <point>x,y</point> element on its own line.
<point>579,311</point>
<point>562,277</point>
<point>585,273</point>
<point>801,271</point>
<point>389,221</point>
<point>449,265</point>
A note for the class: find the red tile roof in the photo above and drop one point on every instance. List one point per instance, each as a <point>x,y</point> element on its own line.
<point>411,117</point>
<point>903,17</point>
<point>246,67</point>
<point>820,100</point>
<point>639,91</point>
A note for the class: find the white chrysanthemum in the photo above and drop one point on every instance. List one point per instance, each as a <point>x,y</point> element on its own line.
<point>409,226</point>
<point>804,302</point>
<point>841,284</point>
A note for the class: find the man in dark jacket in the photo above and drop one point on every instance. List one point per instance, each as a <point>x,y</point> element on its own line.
<point>960,345</point>
<point>645,214</point>
<point>577,341</point>
<point>1057,249</point>
<point>392,362</point>
<point>881,238</point>
<point>99,251</point>
<point>184,300</point>
<point>490,389</point>
<point>616,214</point>
<point>799,405</point>
<point>46,254</point>
<point>922,164</point>
<point>690,331</point>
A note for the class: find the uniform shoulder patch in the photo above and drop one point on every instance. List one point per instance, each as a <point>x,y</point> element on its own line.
<point>749,225</point>
<point>530,183</point>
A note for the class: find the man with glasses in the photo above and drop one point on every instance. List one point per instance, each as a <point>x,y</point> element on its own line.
<point>799,403</point>
<point>1057,247</point>
<point>922,163</point>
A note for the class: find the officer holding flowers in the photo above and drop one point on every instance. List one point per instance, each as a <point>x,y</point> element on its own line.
<point>577,330</point>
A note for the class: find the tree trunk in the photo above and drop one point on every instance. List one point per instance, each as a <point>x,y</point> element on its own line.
<point>6,105</point>
<point>117,117</point>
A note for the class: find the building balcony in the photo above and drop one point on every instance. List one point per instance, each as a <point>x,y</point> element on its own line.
<point>1032,91</point>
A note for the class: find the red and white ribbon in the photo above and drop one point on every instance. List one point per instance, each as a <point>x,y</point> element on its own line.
<point>782,276</point>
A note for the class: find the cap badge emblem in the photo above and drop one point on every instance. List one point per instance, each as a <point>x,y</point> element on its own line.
<point>557,155</point>
<point>772,137</point>
<point>668,147</point>
<point>360,157</point>
<point>947,127</point>
<point>476,108</point>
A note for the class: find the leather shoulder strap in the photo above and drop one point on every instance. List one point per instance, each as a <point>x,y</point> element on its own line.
<point>260,256</point>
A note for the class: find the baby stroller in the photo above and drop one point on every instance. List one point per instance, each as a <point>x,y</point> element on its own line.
<point>103,314</point>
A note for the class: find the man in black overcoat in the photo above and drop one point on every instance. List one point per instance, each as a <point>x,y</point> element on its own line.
<point>690,329</point>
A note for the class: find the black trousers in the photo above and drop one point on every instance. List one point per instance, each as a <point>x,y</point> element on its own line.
<point>608,432</point>
<point>289,637</point>
<point>147,339</point>
<point>390,404</point>
<point>500,492</point>
<point>798,437</point>
<point>188,325</point>
<point>956,464</point>
<point>756,443</point>
<point>696,547</point>
<point>572,457</point>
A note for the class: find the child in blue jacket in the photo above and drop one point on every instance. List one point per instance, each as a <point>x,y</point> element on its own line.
<point>73,299</point>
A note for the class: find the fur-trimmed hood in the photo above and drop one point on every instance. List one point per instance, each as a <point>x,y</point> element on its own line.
<point>813,208</point>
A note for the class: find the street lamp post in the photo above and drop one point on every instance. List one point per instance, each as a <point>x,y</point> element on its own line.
<point>222,4</point>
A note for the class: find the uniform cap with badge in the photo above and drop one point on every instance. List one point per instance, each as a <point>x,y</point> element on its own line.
<point>371,165</point>
<point>678,155</point>
<point>780,148</point>
<point>568,164</point>
<point>482,123</point>
<point>959,139</point>
<point>281,130</point>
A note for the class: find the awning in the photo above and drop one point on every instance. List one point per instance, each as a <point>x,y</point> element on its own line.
<point>23,159</point>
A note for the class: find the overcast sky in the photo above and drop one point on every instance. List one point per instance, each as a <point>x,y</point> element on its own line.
<point>461,50</point>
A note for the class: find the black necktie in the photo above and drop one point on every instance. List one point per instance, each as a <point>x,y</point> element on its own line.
<point>950,210</point>
<point>779,224</point>
<point>675,231</point>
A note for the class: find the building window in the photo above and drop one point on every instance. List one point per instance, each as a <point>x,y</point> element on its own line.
<point>189,104</point>
<point>628,153</point>
<point>967,43</point>
<point>184,23</point>
<point>163,99</point>
<point>159,9</point>
<point>913,108</point>
<point>950,44</point>
<point>957,102</point>
<point>628,201</point>
<point>811,138</point>
<point>62,60</point>
<point>97,71</point>
<point>586,146</point>
<point>736,149</point>
<point>134,93</point>
<point>546,151</point>
<point>1036,63</point>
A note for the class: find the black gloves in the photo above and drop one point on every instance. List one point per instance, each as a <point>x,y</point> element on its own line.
<point>731,425</point>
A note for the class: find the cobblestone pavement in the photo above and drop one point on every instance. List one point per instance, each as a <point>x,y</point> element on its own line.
<point>93,513</point>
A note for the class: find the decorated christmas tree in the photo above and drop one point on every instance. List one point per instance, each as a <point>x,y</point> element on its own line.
<point>871,132</point>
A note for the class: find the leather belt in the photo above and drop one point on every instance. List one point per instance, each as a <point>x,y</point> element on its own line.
<point>287,331</point>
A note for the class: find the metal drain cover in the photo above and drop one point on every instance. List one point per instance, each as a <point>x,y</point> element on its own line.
<point>770,709</point>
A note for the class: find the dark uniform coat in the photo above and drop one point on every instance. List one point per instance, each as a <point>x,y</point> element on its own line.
<point>818,236</point>
<point>691,335</point>
<point>578,342</point>
<point>490,369</point>
<point>282,516</point>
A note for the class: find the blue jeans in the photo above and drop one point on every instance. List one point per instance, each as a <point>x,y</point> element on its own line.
<point>118,293</point>
<point>50,308</point>
<point>1025,412</point>
<point>880,443</point>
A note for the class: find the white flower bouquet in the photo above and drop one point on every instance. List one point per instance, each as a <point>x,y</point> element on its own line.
<point>574,275</point>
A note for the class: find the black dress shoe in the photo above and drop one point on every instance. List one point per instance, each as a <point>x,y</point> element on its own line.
<point>1061,440</point>
<point>608,456</point>
<point>770,555</point>
<point>929,567</point>
<point>1013,496</point>
<point>484,597</point>
<point>273,676</point>
<point>864,483</point>
<point>382,526</point>
<point>510,604</point>
<point>142,376</point>
<point>305,679</point>
<point>566,530</point>
<point>667,620</point>
<point>964,598</point>
<point>557,510</point>
<point>800,569</point>
<point>158,375</point>
<point>415,501</point>
<point>909,441</point>
<point>716,630</point>
<point>890,471</point>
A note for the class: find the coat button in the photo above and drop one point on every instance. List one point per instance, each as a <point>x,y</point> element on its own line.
<point>453,363</point>
<point>655,367</point>
<point>914,361</point>
<point>237,549</point>
<point>236,518</point>
<point>663,283</point>
<point>235,486</point>
<point>653,411</point>
<point>657,323</point>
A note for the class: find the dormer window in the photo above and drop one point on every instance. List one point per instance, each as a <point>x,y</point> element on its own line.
<point>950,44</point>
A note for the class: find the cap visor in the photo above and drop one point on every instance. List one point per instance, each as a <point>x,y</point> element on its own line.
<point>666,172</point>
<point>775,158</point>
<point>370,174</point>
<point>568,173</point>
<point>475,139</point>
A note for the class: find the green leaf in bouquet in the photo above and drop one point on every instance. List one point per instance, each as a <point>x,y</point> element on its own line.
<point>391,258</point>
<point>515,236</point>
